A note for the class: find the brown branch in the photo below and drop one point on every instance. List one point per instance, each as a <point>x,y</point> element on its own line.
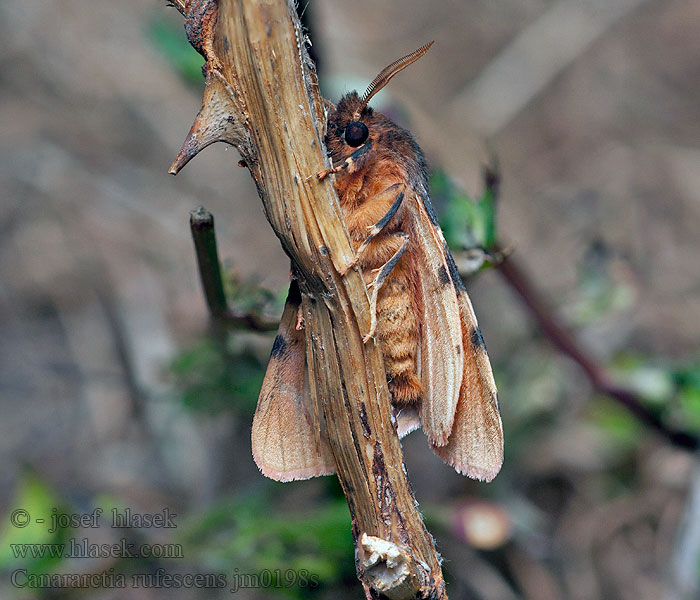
<point>262,96</point>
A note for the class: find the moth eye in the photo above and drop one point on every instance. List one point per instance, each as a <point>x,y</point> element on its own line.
<point>356,133</point>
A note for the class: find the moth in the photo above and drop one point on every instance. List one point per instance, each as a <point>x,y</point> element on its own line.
<point>438,371</point>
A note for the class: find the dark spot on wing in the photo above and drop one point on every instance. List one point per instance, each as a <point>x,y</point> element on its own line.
<point>428,205</point>
<point>477,339</point>
<point>279,347</point>
<point>456,279</point>
<point>444,276</point>
<point>226,46</point>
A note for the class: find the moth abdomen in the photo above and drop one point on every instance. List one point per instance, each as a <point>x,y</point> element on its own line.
<point>397,333</point>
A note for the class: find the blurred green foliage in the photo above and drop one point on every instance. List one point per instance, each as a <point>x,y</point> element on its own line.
<point>620,427</point>
<point>254,533</point>
<point>687,381</point>
<point>39,501</point>
<point>671,391</point>
<point>222,372</point>
<point>211,376</point>
<point>34,496</point>
<point>466,222</point>
<point>170,39</point>
<point>246,295</point>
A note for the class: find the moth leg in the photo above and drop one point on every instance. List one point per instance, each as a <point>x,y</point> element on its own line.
<point>384,271</point>
<point>377,228</point>
<point>351,163</point>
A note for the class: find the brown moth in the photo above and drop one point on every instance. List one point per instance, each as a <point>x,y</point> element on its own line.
<point>438,371</point>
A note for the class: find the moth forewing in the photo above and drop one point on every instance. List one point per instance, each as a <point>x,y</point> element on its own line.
<point>475,446</point>
<point>288,440</point>
<point>441,352</point>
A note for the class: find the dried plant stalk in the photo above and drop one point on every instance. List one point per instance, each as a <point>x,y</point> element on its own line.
<point>262,96</point>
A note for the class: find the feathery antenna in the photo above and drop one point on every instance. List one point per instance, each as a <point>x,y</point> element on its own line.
<point>383,78</point>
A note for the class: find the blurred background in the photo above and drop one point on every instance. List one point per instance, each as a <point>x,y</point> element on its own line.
<point>114,394</point>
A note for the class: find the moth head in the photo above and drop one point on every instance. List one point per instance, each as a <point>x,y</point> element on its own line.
<point>350,124</point>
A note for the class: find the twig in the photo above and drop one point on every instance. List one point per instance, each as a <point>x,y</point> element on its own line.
<point>564,340</point>
<point>204,237</point>
<point>601,381</point>
<point>117,330</point>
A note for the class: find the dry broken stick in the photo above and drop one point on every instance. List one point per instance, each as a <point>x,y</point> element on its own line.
<point>262,96</point>
<point>204,237</point>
